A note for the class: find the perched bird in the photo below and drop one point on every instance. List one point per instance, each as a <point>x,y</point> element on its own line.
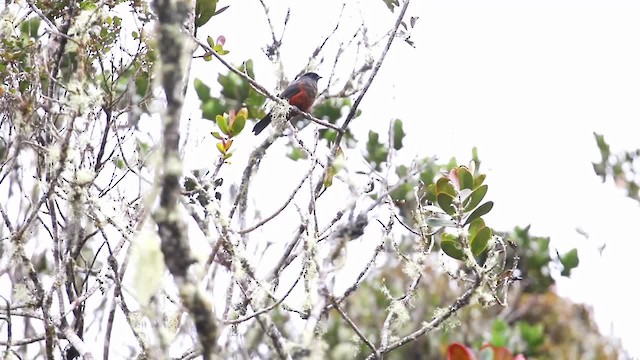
<point>301,93</point>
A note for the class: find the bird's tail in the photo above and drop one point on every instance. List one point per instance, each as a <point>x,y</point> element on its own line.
<point>262,124</point>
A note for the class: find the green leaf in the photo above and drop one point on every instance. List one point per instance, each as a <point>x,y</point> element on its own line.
<point>88,5</point>
<point>452,163</point>
<point>439,221</point>
<point>216,135</point>
<point>143,147</point>
<point>475,198</point>
<point>398,134</point>
<point>221,10</point>
<point>605,151</point>
<point>220,147</point>
<point>478,180</point>
<point>569,261</point>
<point>428,175</point>
<point>451,246</point>
<point>220,50</point>
<point>296,154</point>
<point>23,85</point>
<point>330,109</point>
<point>499,333</point>
<point>445,201</point>
<point>190,184</point>
<point>377,152</point>
<point>391,4</point>
<point>249,66</point>
<point>402,192</point>
<point>30,27</point>
<point>443,185</point>
<point>479,242</point>
<point>119,163</point>
<point>202,89</point>
<point>465,178</point>
<point>238,124</point>
<point>212,108</point>
<point>402,170</point>
<point>222,124</point>
<point>480,211</point>
<point>475,226</point>
<point>205,9</point>
<point>533,335</point>
<point>328,178</point>
<point>211,42</point>
<point>3,152</point>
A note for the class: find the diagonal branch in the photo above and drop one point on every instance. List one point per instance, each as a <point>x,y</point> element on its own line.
<point>461,302</point>
<point>262,90</point>
<point>354,108</point>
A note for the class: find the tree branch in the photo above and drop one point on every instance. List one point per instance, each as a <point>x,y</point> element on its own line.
<point>263,91</point>
<point>172,229</point>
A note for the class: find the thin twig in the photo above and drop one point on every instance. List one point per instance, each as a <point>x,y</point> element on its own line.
<point>355,328</point>
<point>267,309</point>
<point>354,108</point>
<point>281,208</point>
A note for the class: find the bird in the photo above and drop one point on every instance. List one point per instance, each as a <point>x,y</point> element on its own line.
<point>301,93</point>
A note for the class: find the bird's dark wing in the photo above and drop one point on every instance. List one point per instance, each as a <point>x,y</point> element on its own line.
<point>290,90</point>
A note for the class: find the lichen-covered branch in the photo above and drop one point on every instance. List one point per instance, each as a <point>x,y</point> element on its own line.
<point>172,228</point>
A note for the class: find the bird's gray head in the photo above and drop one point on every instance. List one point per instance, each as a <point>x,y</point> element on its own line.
<point>311,76</point>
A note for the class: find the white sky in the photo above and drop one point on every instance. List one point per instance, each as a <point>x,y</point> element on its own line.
<point>527,82</point>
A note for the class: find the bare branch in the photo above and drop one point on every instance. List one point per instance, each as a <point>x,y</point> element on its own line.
<point>355,328</point>
<point>281,208</point>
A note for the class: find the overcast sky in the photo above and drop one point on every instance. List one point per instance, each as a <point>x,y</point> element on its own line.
<point>527,82</point>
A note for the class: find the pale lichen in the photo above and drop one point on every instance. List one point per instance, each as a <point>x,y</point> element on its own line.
<point>149,266</point>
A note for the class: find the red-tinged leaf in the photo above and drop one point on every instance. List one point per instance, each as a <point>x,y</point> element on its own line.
<point>454,177</point>
<point>457,351</point>
<point>227,145</point>
<point>221,40</point>
<point>519,357</point>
